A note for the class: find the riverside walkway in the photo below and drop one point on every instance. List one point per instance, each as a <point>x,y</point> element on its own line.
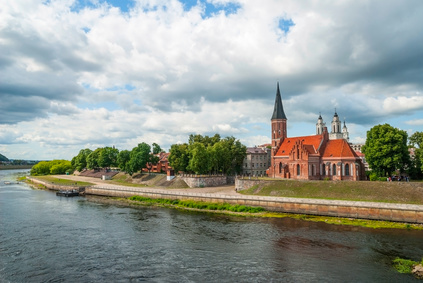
<point>338,208</point>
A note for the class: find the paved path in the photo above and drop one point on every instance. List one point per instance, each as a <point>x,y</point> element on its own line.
<point>230,193</point>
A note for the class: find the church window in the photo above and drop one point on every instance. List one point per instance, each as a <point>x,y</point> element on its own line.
<point>298,170</point>
<point>313,170</point>
<point>323,169</point>
<point>298,153</point>
<point>334,169</point>
<point>347,169</point>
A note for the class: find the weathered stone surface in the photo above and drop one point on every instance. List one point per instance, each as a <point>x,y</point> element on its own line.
<point>418,271</point>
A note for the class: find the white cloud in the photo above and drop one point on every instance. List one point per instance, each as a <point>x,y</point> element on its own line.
<point>97,76</point>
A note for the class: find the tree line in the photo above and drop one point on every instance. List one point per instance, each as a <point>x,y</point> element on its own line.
<point>387,150</point>
<point>201,155</point>
<point>204,155</point>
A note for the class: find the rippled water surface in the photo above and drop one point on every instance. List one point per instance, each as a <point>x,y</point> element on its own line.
<point>45,238</point>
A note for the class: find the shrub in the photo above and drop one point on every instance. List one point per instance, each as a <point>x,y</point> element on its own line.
<point>404,265</point>
<point>373,177</point>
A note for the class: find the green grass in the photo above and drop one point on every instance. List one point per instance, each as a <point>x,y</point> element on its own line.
<point>64,182</point>
<point>374,224</point>
<point>404,265</point>
<point>390,192</point>
<point>199,204</point>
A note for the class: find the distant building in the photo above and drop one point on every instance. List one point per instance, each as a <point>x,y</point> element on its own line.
<point>321,156</point>
<point>257,160</point>
<point>162,166</point>
<point>357,146</point>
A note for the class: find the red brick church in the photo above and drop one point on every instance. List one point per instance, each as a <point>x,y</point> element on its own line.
<point>316,157</point>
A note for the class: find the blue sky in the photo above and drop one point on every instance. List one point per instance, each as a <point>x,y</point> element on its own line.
<point>87,74</point>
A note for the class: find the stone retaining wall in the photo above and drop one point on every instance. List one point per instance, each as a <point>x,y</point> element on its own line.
<point>56,187</point>
<point>204,181</point>
<point>350,209</point>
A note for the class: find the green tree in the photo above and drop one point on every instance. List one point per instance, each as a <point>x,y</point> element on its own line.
<point>54,167</point>
<point>156,148</point>
<point>123,161</point>
<point>416,165</point>
<point>179,157</point>
<point>79,162</point>
<point>108,157</point>
<point>199,160</point>
<point>139,157</point>
<point>93,158</point>
<point>386,149</point>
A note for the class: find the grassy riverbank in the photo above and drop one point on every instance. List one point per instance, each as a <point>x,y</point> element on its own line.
<point>390,192</point>
<point>63,182</point>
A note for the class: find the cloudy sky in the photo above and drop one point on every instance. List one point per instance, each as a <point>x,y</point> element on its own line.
<point>91,73</point>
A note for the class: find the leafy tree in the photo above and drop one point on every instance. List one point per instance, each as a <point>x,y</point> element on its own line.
<point>93,158</point>
<point>386,149</point>
<point>79,162</point>
<point>179,157</point>
<point>199,160</point>
<point>51,167</point>
<point>206,140</point>
<point>108,157</point>
<point>416,165</point>
<point>123,160</point>
<point>139,157</point>
<point>156,148</point>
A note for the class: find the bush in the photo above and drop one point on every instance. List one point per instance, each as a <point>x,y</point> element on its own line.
<point>404,265</point>
<point>373,177</point>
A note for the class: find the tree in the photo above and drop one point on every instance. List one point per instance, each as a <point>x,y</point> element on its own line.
<point>156,148</point>
<point>92,159</point>
<point>79,162</point>
<point>416,164</point>
<point>386,149</point>
<point>54,167</point>
<point>179,157</point>
<point>108,157</point>
<point>123,161</point>
<point>139,157</point>
<point>198,158</point>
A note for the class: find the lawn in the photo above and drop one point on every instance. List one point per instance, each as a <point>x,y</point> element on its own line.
<point>390,192</point>
<point>65,182</point>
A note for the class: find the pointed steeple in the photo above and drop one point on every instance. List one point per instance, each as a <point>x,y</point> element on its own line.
<point>278,112</point>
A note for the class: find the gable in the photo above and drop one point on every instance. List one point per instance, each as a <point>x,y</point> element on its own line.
<point>310,144</point>
<point>338,148</point>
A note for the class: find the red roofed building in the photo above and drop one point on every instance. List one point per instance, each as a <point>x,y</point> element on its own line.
<point>316,157</point>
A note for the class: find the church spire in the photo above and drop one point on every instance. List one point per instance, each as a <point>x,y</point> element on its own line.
<point>278,112</point>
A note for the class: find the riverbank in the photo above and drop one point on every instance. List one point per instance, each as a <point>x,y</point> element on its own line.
<point>13,167</point>
<point>310,209</point>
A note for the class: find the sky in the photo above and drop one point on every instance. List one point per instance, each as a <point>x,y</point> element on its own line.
<point>78,74</point>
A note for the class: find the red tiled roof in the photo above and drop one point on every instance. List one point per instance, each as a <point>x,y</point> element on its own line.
<point>338,148</point>
<point>311,144</point>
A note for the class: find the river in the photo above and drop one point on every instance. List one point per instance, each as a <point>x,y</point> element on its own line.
<point>45,238</point>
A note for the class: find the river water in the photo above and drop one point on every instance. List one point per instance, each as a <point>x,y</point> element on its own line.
<point>45,238</point>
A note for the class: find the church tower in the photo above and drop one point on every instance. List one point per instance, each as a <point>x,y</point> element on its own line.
<point>335,127</point>
<point>345,133</point>
<point>278,121</point>
<point>319,125</point>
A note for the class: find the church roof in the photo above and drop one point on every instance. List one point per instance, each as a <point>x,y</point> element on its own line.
<point>311,144</point>
<point>278,112</point>
<point>338,148</point>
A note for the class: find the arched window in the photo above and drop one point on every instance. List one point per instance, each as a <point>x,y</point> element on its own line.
<point>323,169</point>
<point>313,170</point>
<point>347,169</point>
<point>334,169</point>
<point>298,153</point>
<point>280,167</point>
<point>298,170</point>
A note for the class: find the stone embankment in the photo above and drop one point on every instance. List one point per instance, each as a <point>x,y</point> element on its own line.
<point>56,187</point>
<point>337,208</point>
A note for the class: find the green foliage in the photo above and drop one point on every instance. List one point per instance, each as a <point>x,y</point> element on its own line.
<point>156,148</point>
<point>79,162</point>
<point>200,204</point>
<point>92,159</point>
<point>198,158</point>
<point>204,155</point>
<point>123,161</point>
<point>139,157</point>
<point>179,157</point>
<point>53,167</point>
<point>386,149</point>
<point>404,265</point>
<point>108,157</point>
